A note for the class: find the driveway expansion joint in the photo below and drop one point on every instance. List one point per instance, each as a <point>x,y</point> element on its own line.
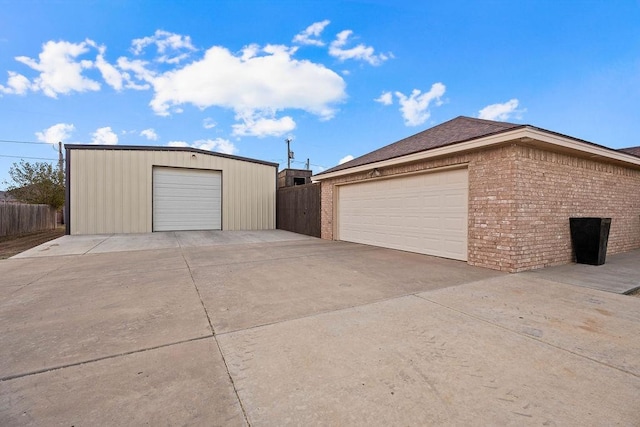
<point>98,244</point>
<point>213,333</point>
<point>319,313</point>
<point>40,277</point>
<point>99,359</point>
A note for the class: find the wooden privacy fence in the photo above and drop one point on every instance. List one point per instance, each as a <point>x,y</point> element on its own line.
<point>298,209</point>
<point>18,218</point>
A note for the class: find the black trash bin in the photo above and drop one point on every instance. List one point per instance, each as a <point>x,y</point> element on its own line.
<point>589,237</point>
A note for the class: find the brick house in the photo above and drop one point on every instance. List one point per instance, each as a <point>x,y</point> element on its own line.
<point>495,194</point>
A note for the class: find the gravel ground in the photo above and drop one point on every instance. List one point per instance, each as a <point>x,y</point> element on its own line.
<point>12,245</point>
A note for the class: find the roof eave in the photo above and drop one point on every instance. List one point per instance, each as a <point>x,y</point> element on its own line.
<point>167,148</point>
<point>523,134</point>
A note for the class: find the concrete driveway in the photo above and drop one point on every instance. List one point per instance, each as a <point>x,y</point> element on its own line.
<point>275,328</point>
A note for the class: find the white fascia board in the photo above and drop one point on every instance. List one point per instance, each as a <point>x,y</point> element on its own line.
<point>488,141</point>
<point>585,147</point>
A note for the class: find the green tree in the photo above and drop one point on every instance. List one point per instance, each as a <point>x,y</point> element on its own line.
<point>38,183</point>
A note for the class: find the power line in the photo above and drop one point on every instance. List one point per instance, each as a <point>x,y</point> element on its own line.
<point>23,142</point>
<point>23,157</point>
<point>304,163</point>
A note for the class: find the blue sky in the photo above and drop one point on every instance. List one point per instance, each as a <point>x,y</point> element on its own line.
<point>340,77</point>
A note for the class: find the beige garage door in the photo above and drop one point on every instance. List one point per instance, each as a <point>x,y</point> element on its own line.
<point>186,199</point>
<point>424,213</point>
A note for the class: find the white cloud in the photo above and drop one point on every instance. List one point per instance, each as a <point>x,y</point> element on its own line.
<point>361,52</point>
<point>310,35</point>
<point>140,71</point>
<point>500,112</point>
<point>252,83</point>
<point>208,123</point>
<point>385,98</point>
<point>257,125</point>
<point>150,134</point>
<point>60,71</point>
<point>110,73</point>
<point>57,133</point>
<point>17,84</point>
<point>104,136</point>
<point>346,159</point>
<point>178,144</point>
<point>218,145</point>
<point>257,83</point>
<point>172,48</point>
<point>415,108</point>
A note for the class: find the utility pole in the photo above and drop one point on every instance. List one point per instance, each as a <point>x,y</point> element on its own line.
<point>60,161</point>
<point>307,163</point>
<point>289,152</point>
<point>60,174</point>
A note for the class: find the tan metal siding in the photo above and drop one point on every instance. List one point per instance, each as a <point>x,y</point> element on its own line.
<point>111,190</point>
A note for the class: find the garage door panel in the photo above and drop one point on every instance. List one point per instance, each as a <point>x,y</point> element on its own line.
<point>452,226</point>
<point>420,213</point>
<point>186,199</point>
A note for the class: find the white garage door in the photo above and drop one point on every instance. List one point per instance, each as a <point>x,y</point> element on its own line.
<point>186,199</point>
<point>424,213</point>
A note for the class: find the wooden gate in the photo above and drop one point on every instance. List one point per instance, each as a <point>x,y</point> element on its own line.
<point>298,209</point>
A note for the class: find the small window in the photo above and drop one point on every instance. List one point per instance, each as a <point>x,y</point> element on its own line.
<point>299,181</point>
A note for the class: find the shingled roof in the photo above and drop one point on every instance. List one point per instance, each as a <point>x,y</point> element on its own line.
<point>631,150</point>
<point>456,130</point>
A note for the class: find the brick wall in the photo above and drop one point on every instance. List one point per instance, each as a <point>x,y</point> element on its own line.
<point>492,238</point>
<point>552,187</point>
<point>326,209</point>
<point>520,202</point>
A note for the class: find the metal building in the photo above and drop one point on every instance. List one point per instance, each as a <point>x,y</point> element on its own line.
<point>140,189</point>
